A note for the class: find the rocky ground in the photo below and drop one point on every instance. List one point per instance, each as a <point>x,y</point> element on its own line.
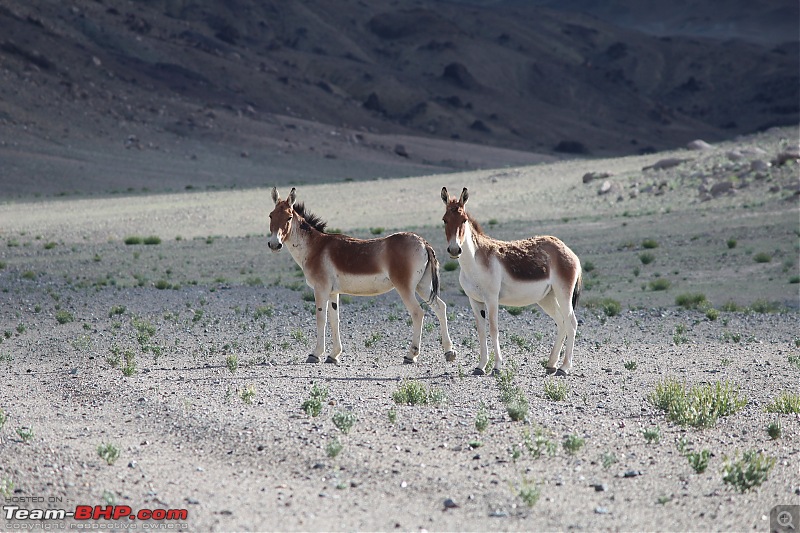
<point>212,330</point>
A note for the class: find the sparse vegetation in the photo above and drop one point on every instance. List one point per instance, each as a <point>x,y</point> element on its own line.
<point>762,257</point>
<point>248,394</point>
<point>529,493</point>
<point>787,403</point>
<point>132,240</point>
<point>151,240</point>
<point>232,362</point>
<point>108,452</point>
<point>412,392</point>
<point>450,266</point>
<point>750,471</point>
<point>609,306</point>
<point>698,460</point>
<point>333,448</point>
<point>344,421</point>
<point>691,300</point>
<point>573,443</point>
<point>649,244</point>
<point>25,433</point>
<point>652,435</point>
<point>556,389</point>
<point>64,317</point>
<point>539,444</point>
<point>660,284</point>
<point>313,405</point>
<point>646,258</point>
<point>630,365</point>
<point>774,429</point>
<point>482,418</point>
<point>700,406</point>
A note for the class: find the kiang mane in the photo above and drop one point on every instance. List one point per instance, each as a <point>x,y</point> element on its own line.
<point>311,219</point>
<point>475,225</point>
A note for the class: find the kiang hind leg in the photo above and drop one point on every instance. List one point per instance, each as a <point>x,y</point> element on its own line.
<point>549,305</point>
<point>336,342</point>
<point>417,316</point>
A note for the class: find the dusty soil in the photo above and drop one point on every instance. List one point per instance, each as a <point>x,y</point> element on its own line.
<point>211,290</point>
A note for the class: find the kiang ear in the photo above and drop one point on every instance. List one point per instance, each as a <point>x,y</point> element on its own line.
<point>445,196</point>
<point>464,197</point>
<point>275,196</point>
<point>292,197</point>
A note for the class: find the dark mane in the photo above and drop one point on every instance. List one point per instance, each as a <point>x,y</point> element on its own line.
<point>311,219</point>
<point>475,225</point>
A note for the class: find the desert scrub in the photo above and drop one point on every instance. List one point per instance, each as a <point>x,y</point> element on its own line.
<point>762,257</point>
<point>649,244</point>
<point>660,284</point>
<point>415,393</point>
<point>333,448</point>
<point>538,444</point>
<point>556,389</point>
<point>609,306</point>
<point>699,406</point>
<point>132,240</point>
<point>130,364</point>
<point>376,231</point>
<point>482,418</point>
<point>630,365</point>
<point>573,443</point>
<point>652,435</point>
<point>691,300</point>
<point>750,471</point>
<point>3,418</point>
<point>450,266</point>
<point>373,339</point>
<point>774,429</point>
<point>25,433</point>
<point>698,460</point>
<point>647,257</point>
<point>344,421</point>
<point>248,394</point>
<point>232,362</point>
<point>787,403</point>
<point>64,317</point>
<point>108,453</point>
<point>263,311</point>
<point>529,493</point>
<point>152,240</point>
<point>6,487</point>
<point>116,310</point>
<point>514,311</point>
<point>313,405</point>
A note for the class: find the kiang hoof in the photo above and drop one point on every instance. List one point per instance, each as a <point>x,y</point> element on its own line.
<point>478,372</point>
<point>332,360</point>
<point>409,361</point>
<point>450,356</point>
<point>550,370</point>
<point>312,359</point>
<point>560,373</point>
<point>495,371</point>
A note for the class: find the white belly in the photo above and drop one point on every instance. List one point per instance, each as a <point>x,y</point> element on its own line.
<point>363,285</point>
<point>519,294</point>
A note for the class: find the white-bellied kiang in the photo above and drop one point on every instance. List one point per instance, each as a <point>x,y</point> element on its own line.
<point>336,264</point>
<point>539,270</point>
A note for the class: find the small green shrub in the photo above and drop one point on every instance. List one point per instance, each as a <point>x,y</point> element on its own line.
<point>482,418</point>
<point>333,448</point>
<point>787,403</point>
<point>652,435</point>
<point>248,394</point>
<point>712,314</point>
<point>646,258</point>
<point>750,471</point>
<point>608,459</point>
<point>764,307</point>
<point>529,493</point>
<point>132,240</point>
<point>539,444</point>
<point>699,406</point>
<point>573,443</point>
<point>774,429</point>
<point>116,310</point>
<point>698,460</point>
<point>64,317</point>
<point>108,453</point>
<point>151,240</point>
<point>344,421</point>
<point>631,365</point>
<point>608,306</point>
<point>517,407</point>
<point>49,245</point>
<point>6,487</point>
<point>313,405</point>
<point>392,415</point>
<point>415,393</point>
<point>660,284</point>
<point>232,362</point>
<point>731,243</point>
<point>514,311</point>
<point>649,244</point>
<point>691,300</point>
<point>450,266</point>
<point>588,266</point>
<point>556,389</point>
<point>25,433</point>
<point>762,257</point>
<point>3,418</point>
<point>376,231</point>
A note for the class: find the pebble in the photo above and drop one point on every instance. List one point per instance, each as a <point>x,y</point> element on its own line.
<point>601,510</point>
<point>599,487</point>
<point>450,504</point>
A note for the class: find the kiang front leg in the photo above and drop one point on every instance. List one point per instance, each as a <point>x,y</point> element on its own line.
<point>333,314</point>
<point>492,310</point>
<point>321,301</point>
<point>479,310</point>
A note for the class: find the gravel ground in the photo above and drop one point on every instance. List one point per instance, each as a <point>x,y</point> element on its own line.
<point>235,448</point>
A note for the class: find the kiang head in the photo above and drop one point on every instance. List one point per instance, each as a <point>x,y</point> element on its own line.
<point>281,218</point>
<point>455,221</point>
